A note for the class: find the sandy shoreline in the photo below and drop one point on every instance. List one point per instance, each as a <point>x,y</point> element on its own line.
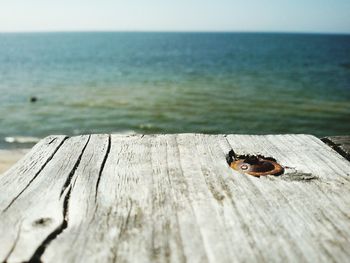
<point>9,157</point>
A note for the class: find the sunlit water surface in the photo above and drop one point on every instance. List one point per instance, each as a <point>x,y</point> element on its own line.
<point>172,83</point>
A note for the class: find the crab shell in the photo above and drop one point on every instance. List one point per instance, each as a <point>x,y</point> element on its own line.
<point>264,167</point>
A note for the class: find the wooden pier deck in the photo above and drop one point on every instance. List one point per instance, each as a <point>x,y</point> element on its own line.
<point>174,198</point>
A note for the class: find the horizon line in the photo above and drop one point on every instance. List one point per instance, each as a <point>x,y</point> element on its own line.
<point>175,31</point>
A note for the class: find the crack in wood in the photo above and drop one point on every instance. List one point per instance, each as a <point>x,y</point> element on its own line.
<point>103,165</point>
<point>54,139</point>
<point>37,173</point>
<point>36,257</point>
<point>70,176</point>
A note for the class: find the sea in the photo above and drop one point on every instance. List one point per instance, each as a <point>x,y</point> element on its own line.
<point>133,82</point>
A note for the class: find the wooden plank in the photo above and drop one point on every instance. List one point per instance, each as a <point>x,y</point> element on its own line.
<point>83,218</point>
<point>24,171</point>
<point>174,198</point>
<point>341,144</point>
<point>305,211</point>
<point>36,213</point>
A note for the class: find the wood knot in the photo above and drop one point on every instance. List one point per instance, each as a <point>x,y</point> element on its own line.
<point>41,222</point>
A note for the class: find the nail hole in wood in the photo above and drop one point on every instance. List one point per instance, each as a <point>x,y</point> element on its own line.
<point>255,165</point>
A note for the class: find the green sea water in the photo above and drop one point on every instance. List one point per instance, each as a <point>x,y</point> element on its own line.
<point>172,83</point>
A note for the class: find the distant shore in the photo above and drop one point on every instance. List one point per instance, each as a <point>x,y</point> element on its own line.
<point>9,157</point>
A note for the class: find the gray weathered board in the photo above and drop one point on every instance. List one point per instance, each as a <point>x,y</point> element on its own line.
<point>160,198</point>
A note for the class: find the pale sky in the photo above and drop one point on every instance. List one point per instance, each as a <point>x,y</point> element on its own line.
<point>331,16</point>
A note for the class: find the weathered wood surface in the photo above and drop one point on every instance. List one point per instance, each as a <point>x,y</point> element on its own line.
<point>341,144</point>
<point>174,198</point>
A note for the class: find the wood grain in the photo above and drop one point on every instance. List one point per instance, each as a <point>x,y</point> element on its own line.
<point>173,198</point>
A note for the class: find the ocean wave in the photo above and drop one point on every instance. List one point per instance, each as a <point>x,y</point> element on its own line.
<point>21,139</point>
